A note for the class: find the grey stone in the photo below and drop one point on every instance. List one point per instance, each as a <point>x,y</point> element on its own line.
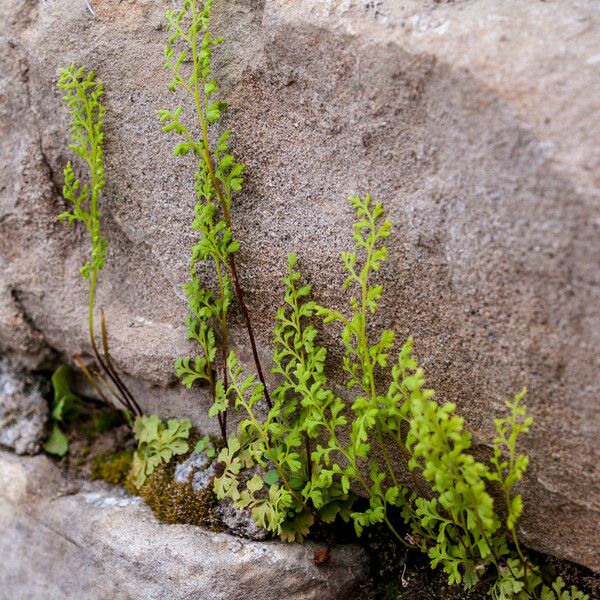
<point>239,521</point>
<point>474,121</point>
<point>202,479</point>
<point>195,462</point>
<point>100,543</point>
<point>23,409</point>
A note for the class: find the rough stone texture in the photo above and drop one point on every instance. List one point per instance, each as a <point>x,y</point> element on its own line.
<point>23,410</point>
<point>475,121</point>
<point>240,522</point>
<point>195,464</point>
<point>99,543</point>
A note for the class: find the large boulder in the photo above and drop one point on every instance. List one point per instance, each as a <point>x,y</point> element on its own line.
<point>475,122</point>
<point>98,542</point>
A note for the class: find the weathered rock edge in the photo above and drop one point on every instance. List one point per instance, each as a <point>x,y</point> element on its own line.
<point>101,543</point>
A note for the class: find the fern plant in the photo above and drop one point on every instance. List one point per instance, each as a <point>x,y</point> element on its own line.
<point>157,443</point>
<point>83,95</point>
<point>309,461</point>
<point>218,177</point>
<point>507,466</point>
<point>293,487</point>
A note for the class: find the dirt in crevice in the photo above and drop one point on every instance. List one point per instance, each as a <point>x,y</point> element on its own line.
<point>96,431</point>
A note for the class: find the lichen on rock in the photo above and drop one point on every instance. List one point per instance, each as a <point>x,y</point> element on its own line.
<point>23,409</point>
<point>198,471</point>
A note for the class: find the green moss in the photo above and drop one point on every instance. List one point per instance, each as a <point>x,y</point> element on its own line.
<point>107,419</point>
<point>112,467</point>
<point>170,502</point>
<point>173,502</point>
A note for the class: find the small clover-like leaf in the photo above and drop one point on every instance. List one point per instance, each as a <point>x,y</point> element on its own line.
<point>157,443</point>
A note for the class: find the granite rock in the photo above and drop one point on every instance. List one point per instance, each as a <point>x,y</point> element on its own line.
<point>97,542</point>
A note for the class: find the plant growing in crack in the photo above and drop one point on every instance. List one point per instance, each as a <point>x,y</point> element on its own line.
<point>449,514</point>
<point>302,462</point>
<point>217,178</point>
<point>158,443</point>
<point>83,95</point>
<point>65,406</point>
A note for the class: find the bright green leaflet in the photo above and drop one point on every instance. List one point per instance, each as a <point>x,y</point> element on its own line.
<point>157,443</point>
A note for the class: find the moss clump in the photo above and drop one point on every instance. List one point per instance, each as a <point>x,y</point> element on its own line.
<point>112,467</point>
<point>173,502</point>
<point>170,502</point>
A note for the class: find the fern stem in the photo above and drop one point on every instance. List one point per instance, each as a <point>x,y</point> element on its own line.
<point>123,398</point>
<point>364,281</point>
<point>407,456</point>
<point>122,386</point>
<point>226,213</point>
<point>343,452</point>
<point>386,458</point>
<point>511,463</point>
<point>266,441</point>
<point>395,532</point>
<point>224,341</point>
<point>520,552</point>
<point>92,381</point>
<point>211,383</point>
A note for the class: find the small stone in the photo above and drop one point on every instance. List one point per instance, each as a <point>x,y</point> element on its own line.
<point>184,471</point>
<point>239,521</point>
<point>23,409</point>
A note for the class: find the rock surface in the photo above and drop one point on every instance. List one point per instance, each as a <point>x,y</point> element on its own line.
<point>475,121</point>
<point>100,543</point>
<point>23,410</point>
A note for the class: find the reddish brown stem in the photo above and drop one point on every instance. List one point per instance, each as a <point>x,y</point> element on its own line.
<point>222,422</point>
<point>112,371</point>
<point>233,269</point>
<point>124,399</point>
<point>240,297</point>
<point>225,385</point>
